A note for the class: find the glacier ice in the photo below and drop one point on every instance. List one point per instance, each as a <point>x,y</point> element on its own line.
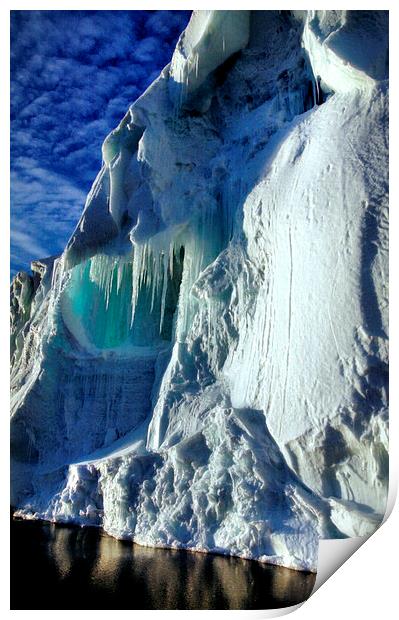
<point>205,365</point>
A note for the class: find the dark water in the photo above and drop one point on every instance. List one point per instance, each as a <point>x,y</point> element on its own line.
<point>57,567</point>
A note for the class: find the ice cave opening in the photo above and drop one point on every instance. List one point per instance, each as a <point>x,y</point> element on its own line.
<point>106,304</point>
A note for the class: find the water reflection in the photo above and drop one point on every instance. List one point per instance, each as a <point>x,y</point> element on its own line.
<point>56,567</point>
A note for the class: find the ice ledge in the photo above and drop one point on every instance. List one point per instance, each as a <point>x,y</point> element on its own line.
<point>210,38</point>
<point>333,49</point>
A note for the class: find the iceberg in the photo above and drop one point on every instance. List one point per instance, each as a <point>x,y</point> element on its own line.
<point>205,365</point>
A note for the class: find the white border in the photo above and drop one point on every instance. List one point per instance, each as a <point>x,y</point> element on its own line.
<point>366,585</point>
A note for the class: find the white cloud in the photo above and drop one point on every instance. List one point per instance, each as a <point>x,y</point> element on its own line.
<point>23,244</point>
<point>45,208</point>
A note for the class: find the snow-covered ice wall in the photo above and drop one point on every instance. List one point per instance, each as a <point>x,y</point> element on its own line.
<point>205,366</point>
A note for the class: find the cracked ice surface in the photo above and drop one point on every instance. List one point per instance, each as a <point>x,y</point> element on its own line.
<point>205,366</point>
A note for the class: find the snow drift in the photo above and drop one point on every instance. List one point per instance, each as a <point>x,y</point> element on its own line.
<point>205,366</point>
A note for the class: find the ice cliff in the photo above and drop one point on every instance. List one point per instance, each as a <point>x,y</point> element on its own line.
<point>205,366</point>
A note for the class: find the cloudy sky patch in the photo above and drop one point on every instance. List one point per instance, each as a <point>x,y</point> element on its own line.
<point>73,76</point>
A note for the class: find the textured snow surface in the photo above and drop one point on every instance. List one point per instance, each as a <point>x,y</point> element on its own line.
<point>205,366</point>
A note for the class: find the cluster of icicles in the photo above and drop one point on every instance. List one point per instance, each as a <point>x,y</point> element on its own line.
<point>134,289</point>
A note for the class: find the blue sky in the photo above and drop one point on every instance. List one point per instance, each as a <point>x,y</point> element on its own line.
<point>73,76</point>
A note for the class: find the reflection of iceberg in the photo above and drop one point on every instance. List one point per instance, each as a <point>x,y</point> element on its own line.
<point>86,567</point>
<point>108,568</point>
<point>205,366</point>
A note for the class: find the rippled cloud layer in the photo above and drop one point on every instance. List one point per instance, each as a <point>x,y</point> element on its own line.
<point>73,75</point>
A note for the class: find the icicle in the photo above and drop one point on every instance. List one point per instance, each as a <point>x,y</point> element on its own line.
<point>101,273</point>
<point>155,279</point>
<point>164,291</point>
<point>121,267</point>
<point>136,277</point>
<point>172,254</point>
<point>317,91</point>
